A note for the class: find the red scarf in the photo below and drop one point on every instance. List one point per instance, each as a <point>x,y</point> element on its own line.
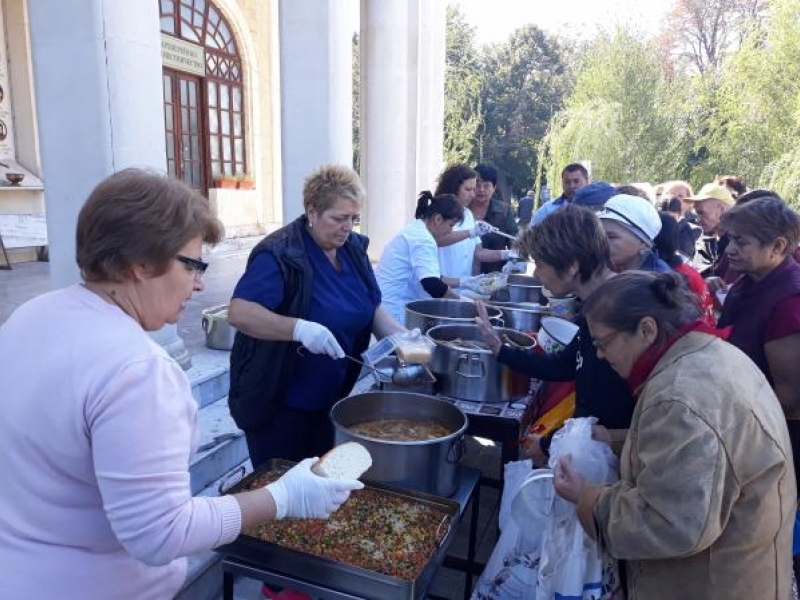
<point>645,364</point>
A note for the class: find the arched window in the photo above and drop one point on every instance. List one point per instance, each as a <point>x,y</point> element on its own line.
<point>203,105</point>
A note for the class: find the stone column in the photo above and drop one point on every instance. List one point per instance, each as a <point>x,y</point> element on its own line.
<point>431,25</point>
<point>316,91</point>
<point>100,109</point>
<point>388,125</point>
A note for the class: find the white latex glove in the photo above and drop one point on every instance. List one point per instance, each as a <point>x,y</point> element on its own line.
<point>317,338</point>
<point>300,494</point>
<point>509,254</point>
<point>481,228</point>
<point>471,283</point>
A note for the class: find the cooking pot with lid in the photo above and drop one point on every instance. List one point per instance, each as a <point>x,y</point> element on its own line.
<point>424,314</point>
<point>521,316</point>
<point>524,288</point>
<point>466,369</point>
<point>428,466</point>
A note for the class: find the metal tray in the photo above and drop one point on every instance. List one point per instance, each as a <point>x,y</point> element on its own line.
<point>338,576</point>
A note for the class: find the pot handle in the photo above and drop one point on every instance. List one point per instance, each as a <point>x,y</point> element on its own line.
<point>206,323</point>
<point>470,360</point>
<point>223,488</point>
<point>443,529</point>
<point>456,450</point>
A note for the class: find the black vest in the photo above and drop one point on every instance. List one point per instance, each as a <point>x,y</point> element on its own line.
<point>261,369</point>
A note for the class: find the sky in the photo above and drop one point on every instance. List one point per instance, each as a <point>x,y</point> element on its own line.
<point>495,20</point>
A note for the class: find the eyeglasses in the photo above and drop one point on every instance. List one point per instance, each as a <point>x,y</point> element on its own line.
<point>198,266</point>
<point>604,342</point>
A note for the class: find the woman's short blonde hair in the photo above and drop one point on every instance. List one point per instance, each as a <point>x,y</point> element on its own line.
<point>330,183</point>
<point>137,216</point>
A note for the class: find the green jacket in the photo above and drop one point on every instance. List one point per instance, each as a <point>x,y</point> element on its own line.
<point>706,501</point>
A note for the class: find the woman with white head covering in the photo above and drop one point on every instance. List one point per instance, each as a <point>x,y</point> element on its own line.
<point>631,224</point>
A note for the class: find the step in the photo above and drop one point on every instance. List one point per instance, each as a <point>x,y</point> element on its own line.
<point>214,420</point>
<point>209,375</point>
<point>204,573</point>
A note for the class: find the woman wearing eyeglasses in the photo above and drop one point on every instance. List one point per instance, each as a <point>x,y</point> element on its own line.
<point>307,298</point>
<point>706,499</point>
<point>98,422</point>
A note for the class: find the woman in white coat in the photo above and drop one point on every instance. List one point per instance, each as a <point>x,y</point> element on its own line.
<point>409,267</point>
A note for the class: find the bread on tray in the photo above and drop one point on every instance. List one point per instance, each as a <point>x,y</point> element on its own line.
<point>349,460</point>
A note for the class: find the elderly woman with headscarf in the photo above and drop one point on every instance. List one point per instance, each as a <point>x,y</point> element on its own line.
<point>632,224</point>
<point>99,435</point>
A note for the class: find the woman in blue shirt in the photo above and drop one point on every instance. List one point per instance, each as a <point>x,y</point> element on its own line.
<point>308,297</point>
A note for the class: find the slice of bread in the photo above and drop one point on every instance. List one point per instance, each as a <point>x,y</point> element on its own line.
<point>346,461</point>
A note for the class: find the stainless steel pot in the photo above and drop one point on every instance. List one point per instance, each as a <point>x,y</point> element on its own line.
<point>470,372</point>
<point>521,316</point>
<point>523,288</point>
<point>428,466</point>
<point>219,332</point>
<point>424,314</point>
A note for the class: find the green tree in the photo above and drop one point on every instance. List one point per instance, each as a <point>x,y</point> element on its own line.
<point>625,115</point>
<point>463,80</point>
<point>526,81</point>
<point>755,124</point>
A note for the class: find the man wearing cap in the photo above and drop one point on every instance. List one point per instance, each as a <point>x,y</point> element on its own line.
<point>631,224</point>
<point>710,203</point>
<point>573,177</point>
<point>594,195</point>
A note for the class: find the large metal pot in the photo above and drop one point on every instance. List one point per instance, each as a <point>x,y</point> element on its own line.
<point>424,314</point>
<point>219,332</point>
<point>523,288</point>
<point>470,372</point>
<point>520,316</point>
<point>428,466</point>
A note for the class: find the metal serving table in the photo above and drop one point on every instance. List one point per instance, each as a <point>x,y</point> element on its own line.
<point>338,584</point>
<point>502,422</point>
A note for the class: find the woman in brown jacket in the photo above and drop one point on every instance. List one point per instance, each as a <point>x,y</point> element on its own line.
<point>705,503</point>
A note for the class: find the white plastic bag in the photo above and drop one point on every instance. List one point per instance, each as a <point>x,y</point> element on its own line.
<point>553,558</point>
<point>514,474</point>
<point>512,569</point>
<point>591,458</point>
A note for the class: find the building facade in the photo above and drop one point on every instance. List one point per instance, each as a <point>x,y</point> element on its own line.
<point>240,98</point>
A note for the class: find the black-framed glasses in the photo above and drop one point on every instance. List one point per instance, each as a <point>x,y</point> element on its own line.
<point>198,266</point>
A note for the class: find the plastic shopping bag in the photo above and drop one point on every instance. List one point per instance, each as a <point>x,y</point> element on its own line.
<point>591,458</point>
<point>514,474</point>
<point>512,569</point>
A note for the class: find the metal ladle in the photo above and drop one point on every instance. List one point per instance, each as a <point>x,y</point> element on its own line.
<point>402,376</point>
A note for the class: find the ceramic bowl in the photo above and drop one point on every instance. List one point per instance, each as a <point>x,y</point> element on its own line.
<point>555,334</point>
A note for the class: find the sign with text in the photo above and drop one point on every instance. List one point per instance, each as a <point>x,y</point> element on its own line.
<point>22,231</point>
<point>182,56</point>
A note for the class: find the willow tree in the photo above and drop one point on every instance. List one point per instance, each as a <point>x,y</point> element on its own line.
<point>756,123</point>
<point>624,115</point>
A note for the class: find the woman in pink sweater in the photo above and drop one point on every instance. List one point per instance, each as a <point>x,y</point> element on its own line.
<point>97,422</point>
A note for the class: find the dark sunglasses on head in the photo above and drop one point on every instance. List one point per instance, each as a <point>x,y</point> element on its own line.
<point>197,265</point>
